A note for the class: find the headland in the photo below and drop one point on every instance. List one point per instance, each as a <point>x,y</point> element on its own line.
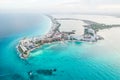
<point>55,34</point>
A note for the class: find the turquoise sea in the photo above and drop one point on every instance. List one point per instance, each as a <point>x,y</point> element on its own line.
<point>72,60</point>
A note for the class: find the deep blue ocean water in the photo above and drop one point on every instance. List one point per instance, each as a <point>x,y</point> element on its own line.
<point>72,60</point>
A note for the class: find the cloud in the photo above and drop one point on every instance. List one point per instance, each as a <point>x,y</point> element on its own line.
<point>111,7</point>
<point>60,5</point>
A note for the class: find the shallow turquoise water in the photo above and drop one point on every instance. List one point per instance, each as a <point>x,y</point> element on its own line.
<point>72,60</point>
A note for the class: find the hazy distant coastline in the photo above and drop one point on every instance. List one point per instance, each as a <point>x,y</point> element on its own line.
<point>72,21</point>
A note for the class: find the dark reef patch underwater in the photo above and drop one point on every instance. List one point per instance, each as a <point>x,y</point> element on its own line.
<point>56,61</point>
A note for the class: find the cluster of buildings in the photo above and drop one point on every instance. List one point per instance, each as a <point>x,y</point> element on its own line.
<point>27,45</point>
<point>90,34</point>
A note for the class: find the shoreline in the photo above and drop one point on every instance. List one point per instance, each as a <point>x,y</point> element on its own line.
<point>55,35</point>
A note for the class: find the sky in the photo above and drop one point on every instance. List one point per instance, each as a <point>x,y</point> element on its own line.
<point>61,6</point>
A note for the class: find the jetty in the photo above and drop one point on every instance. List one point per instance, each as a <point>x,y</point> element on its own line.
<point>26,45</point>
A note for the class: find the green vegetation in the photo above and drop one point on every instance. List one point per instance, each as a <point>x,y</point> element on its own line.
<point>98,26</point>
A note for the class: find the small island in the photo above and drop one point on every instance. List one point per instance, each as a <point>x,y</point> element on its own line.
<point>26,45</point>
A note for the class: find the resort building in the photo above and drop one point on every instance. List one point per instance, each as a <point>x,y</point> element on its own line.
<point>90,34</point>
